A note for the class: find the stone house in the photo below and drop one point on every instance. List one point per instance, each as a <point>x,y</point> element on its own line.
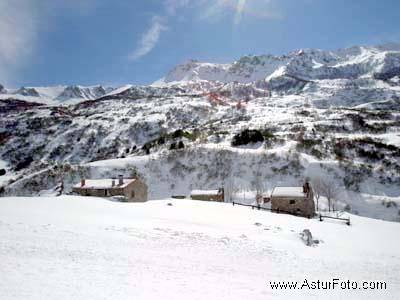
<point>132,189</point>
<point>293,200</point>
<point>208,195</point>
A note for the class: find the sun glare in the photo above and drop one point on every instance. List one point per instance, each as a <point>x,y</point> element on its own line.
<point>239,11</point>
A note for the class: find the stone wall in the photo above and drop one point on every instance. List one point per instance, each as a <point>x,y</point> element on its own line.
<point>301,206</point>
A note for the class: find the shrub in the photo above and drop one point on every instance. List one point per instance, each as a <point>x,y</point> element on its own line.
<point>247,136</point>
<point>267,134</point>
<point>305,113</point>
<point>338,151</point>
<point>318,154</point>
<point>298,128</point>
<point>373,155</point>
<point>355,174</point>
<point>357,120</point>
<point>308,143</point>
<point>390,203</point>
<point>172,146</point>
<point>24,164</point>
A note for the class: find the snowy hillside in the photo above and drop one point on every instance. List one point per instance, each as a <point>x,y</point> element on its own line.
<point>269,119</point>
<point>90,248</point>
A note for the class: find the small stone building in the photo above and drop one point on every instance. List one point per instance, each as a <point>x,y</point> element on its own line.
<point>293,200</point>
<point>133,189</point>
<point>208,195</point>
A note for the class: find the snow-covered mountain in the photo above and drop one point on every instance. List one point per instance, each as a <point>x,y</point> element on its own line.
<point>55,95</point>
<point>2,89</point>
<point>79,92</point>
<point>381,62</point>
<point>311,113</point>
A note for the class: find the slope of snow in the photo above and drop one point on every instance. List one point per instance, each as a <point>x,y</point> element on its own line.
<point>89,248</point>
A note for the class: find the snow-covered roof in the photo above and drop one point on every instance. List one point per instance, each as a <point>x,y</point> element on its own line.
<point>288,191</point>
<point>103,183</point>
<point>204,192</point>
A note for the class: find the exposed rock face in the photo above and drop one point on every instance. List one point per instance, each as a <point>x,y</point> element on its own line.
<point>85,93</point>
<point>24,91</point>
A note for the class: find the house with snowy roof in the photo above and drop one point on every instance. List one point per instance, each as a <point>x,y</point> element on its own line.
<point>132,189</point>
<point>297,200</point>
<point>208,195</point>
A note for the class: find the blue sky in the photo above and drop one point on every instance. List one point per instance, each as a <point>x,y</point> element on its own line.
<point>87,42</point>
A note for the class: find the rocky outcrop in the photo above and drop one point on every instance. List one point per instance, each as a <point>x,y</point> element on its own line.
<point>24,91</point>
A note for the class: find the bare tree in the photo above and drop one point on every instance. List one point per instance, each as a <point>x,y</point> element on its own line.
<point>327,188</point>
<point>259,185</point>
<point>316,185</point>
<point>229,188</point>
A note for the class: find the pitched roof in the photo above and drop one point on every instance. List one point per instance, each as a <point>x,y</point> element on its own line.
<point>204,192</point>
<point>104,183</point>
<point>288,191</point>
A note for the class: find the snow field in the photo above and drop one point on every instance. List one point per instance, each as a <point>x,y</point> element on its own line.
<point>84,248</point>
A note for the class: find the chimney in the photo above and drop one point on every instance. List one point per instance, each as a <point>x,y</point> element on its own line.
<point>120,180</point>
<point>112,182</point>
<point>82,182</point>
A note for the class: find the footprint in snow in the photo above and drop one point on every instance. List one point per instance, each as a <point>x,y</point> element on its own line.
<point>224,240</point>
<point>161,229</point>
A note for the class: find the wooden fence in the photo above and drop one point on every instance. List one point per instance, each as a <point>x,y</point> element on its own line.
<point>258,207</point>
<point>347,220</point>
<point>321,217</point>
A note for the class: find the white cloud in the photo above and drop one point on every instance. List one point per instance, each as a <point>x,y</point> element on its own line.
<point>239,11</point>
<point>18,32</point>
<point>150,38</point>
<point>215,9</point>
<point>203,10</point>
<point>172,6</point>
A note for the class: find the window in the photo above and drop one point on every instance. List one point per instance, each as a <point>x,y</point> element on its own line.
<point>292,201</point>
<point>133,194</point>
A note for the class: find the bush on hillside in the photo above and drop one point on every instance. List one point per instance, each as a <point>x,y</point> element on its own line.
<point>24,164</point>
<point>247,136</point>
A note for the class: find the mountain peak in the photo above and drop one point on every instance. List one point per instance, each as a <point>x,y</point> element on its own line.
<point>25,91</point>
<point>313,64</point>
